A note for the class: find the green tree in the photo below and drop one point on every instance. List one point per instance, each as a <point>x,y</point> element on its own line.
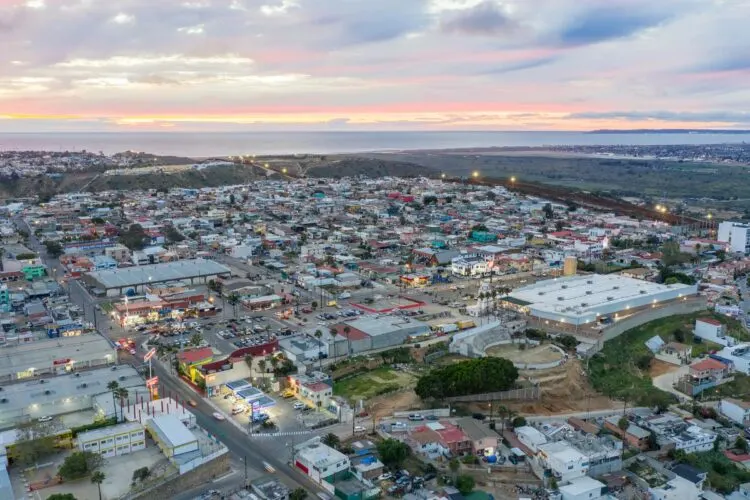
<point>30,448</point>
<point>314,304</point>
<point>114,387</point>
<point>135,238</point>
<point>319,335</point>
<point>78,464</point>
<point>454,465</point>
<point>474,376</point>
<point>518,422</point>
<point>196,339</point>
<point>331,440</point>
<point>172,234</point>
<point>298,494</point>
<point>62,496</point>
<point>393,452</point>
<point>465,484</point>
<point>234,300</point>
<point>623,423</point>
<point>98,478</point>
<point>741,444</point>
<point>54,248</point>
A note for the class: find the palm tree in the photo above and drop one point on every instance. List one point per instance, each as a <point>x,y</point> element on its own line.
<point>348,341</point>
<point>503,412</point>
<point>114,387</point>
<point>98,478</point>
<point>298,494</point>
<point>233,300</point>
<point>331,440</point>
<point>318,335</point>
<point>121,394</point>
<point>262,365</point>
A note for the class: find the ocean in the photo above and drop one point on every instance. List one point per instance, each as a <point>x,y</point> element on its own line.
<point>198,145</point>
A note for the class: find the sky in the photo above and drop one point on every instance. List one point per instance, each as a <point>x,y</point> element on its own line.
<point>221,65</point>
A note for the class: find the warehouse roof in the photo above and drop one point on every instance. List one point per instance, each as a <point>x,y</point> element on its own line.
<point>592,290</point>
<point>172,431</point>
<point>382,324</point>
<point>76,385</point>
<point>170,271</point>
<point>43,353</point>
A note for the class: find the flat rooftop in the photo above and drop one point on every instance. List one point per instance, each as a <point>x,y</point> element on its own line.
<point>42,353</point>
<point>172,431</point>
<point>382,324</point>
<point>76,385</point>
<point>98,434</point>
<point>595,290</point>
<point>159,273</point>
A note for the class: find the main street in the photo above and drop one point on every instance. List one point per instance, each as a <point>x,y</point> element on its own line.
<point>245,449</point>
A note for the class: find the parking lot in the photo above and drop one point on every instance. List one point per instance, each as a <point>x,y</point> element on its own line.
<point>288,415</point>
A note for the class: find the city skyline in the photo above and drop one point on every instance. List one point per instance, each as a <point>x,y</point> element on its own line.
<point>220,65</point>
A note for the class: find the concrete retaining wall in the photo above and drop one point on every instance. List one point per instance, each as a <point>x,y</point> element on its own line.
<point>526,394</point>
<point>199,476</point>
<point>685,307</point>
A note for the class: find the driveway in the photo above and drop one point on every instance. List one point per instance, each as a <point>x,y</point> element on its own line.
<point>666,381</point>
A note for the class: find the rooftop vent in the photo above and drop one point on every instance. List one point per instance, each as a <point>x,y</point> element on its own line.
<point>4,400</point>
<point>590,282</point>
<point>41,381</point>
<point>589,292</point>
<point>610,298</point>
<point>541,293</point>
<point>47,393</point>
<point>564,287</point>
<point>584,304</point>
<point>615,287</point>
<point>642,292</point>
<point>561,298</point>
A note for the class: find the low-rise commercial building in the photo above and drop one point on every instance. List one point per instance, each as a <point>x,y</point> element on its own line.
<point>320,462</point>
<point>55,356</point>
<point>25,401</point>
<point>171,435</point>
<point>115,440</point>
<point>580,300</point>
<point>134,280</point>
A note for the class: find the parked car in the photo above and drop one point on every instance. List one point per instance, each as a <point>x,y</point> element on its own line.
<point>416,417</point>
<point>218,416</point>
<point>385,476</point>
<point>45,418</point>
<point>192,403</point>
<point>299,405</point>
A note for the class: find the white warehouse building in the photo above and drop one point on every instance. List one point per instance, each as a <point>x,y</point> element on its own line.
<point>579,300</point>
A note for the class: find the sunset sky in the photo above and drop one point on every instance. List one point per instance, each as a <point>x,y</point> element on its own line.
<point>134,65</point>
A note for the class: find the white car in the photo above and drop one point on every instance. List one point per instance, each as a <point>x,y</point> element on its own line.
<point>45,418</point>
<point>384,477</point>
<point>299,405</point>
<point>218,416</point>
<point>359,428</point>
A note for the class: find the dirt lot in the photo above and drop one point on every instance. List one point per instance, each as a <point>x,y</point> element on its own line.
<point>659,367</point>
<point>370,384</point>
<point>564,390</point>
<point>539,354</point>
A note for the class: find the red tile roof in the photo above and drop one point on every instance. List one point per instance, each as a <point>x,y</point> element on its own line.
<point>708,364</point>
<point>195,355</point>
<point>710,321</point>
<point>452,434</point>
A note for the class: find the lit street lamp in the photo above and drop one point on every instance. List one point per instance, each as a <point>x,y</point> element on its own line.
<point>475,174</point>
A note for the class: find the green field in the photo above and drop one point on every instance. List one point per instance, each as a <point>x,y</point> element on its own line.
<point>620,370</point>
<point>372,383</point>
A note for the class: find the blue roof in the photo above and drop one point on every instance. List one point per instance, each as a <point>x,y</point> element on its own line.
<point>249,393</point>
<point>238,384</point>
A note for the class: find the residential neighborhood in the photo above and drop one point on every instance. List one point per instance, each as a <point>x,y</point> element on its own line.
<point>359,338</point>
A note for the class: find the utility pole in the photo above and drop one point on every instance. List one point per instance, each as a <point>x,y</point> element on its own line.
<point>244,459</point>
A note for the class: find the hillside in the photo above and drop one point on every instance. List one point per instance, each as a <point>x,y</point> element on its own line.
<point>317,167</point>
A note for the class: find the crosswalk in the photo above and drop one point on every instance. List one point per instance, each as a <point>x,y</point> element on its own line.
<point>280,434</point>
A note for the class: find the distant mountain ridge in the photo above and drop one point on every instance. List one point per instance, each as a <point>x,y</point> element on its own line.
<point>670,131</point>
